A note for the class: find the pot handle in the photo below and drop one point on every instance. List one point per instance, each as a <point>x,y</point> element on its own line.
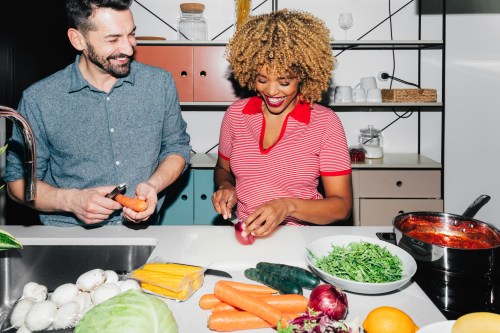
<point>476,205</point>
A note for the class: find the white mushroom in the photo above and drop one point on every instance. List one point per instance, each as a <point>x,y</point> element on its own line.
<point>35,291</point>
<point>111,276</point>
<point>41,315</point>
<point>67,316</point>
<point>90,280</point>
<point>84,301</point>
<point>129,284</point>
<point>103,292</point>
<point>64,294</point>
<point>19,312</point>
<point>23,329</point>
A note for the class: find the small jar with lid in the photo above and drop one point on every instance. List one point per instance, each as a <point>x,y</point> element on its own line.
<point>192,24</point>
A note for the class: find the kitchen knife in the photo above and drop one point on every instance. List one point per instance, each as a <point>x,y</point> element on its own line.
<point>217,272</point>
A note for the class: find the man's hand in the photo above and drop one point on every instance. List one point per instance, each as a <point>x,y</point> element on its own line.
<point>144,191</point>
<point>90,205</point>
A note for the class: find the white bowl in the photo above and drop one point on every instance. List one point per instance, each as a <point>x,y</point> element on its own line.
<point>439,327</point>
<point>323,246</point>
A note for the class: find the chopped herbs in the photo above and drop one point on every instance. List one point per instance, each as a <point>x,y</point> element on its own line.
<point>362,262</point>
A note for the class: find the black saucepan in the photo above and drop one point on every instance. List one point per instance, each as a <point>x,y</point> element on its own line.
<point>449,242</point>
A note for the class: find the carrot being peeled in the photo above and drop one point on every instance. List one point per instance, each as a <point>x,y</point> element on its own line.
<point>227,294</point>
<point>135,204</point>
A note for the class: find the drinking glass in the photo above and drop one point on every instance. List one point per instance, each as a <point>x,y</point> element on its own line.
<point>346,22</point>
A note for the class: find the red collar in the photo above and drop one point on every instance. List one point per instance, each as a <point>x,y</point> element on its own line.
<point>301,112</point>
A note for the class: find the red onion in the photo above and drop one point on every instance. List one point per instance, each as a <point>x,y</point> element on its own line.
<point>248,240</point>
<point>329,300</point>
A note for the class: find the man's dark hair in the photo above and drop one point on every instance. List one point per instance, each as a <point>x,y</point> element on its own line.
<point>79,11</point>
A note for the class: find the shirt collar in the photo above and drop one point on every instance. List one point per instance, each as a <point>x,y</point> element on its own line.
<point>301,112</point>
<point>78,82</point>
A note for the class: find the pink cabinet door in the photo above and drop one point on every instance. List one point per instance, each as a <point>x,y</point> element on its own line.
<point>178,60</point>
<point>211,75</point>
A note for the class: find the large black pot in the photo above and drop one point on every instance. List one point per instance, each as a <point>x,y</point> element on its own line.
<point>446,258</point>
<point>458,280</point>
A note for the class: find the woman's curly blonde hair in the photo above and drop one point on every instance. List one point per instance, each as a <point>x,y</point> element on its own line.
<point>287,42</point>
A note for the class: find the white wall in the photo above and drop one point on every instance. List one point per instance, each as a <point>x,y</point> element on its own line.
<point>472,132</point>
<point>351,65</point>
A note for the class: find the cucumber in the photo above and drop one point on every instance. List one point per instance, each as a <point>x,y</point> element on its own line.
<point>275,281</point>
<point>301,276</point>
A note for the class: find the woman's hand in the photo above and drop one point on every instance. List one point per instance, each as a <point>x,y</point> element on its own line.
<point>224,200</point>
<point>266,218</point>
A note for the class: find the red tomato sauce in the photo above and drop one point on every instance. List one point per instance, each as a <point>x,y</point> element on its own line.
<point>449,241</point>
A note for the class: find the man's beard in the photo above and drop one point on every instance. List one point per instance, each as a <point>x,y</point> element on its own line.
<point>115,70</point>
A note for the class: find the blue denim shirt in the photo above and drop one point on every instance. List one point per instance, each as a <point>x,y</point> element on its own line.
<point>86,137</point>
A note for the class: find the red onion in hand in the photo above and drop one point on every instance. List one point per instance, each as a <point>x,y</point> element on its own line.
<point>248,240</point>
<point>329,300</point>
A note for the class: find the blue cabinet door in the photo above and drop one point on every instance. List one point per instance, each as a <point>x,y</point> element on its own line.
<point>204,187</point>
<point>179,201</point>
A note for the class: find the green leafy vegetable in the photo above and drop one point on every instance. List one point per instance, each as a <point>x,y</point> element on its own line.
<point>7,241</point>
<point>129,312</point>
<point>362,262</point>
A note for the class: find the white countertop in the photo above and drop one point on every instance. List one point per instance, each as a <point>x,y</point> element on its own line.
<point>217,246</point>
<point>394,161</point>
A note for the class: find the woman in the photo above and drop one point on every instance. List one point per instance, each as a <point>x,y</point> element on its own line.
<point>274,147</point>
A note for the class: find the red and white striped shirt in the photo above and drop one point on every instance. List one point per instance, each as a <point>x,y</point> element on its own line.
<point>311,144</point>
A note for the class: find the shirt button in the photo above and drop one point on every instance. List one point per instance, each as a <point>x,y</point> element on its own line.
<point>112,130</point>
<point>107,98</point>
<point>117,162</point>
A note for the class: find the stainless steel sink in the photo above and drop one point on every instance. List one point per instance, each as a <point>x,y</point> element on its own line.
<point>53,265</point>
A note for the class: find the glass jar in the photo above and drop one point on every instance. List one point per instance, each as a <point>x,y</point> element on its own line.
<point>369,136</point>
<point>192,24</point>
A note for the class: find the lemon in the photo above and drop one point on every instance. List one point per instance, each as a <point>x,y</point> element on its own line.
<point>386,319</point>
<point>7,241</point>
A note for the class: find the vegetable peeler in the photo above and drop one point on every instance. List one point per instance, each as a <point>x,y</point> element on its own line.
<point>117,190</point>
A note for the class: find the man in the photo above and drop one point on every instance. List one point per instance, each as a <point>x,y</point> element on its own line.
<point>101,121</point>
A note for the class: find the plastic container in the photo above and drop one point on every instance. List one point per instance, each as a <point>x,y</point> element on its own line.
<point>192,24</point>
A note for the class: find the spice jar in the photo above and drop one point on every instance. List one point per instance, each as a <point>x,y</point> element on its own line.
<point>192,24</point>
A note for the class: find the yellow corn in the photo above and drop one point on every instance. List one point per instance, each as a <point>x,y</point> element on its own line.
<point>172,268</point>
<point>181,295</point>
<point>173,282</point>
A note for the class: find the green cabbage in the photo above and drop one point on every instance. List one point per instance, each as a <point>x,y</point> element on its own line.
<point>129,312</point>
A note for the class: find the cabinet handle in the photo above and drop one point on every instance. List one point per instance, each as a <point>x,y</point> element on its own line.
<point>203,197</point>
<point>203,73</point>
<point>184,74</point>
<point>399,183</point>
<point>184,197</point>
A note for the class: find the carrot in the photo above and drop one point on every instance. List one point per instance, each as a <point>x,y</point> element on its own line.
<point>209,301</point>
<point>227,294</point>
<point>289,303</point>
<point>227,321</point>
<point>135,204</point>
<point>251,287</point>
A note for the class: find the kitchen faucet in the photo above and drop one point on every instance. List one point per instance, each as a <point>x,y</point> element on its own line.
<point>29,151</point>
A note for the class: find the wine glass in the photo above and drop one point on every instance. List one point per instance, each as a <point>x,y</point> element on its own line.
<point>346,22</point>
